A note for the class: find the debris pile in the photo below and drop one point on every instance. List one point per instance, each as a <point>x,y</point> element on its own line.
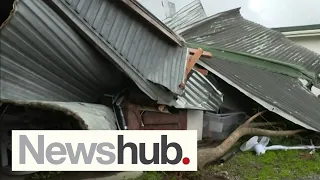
<point>112,65</point>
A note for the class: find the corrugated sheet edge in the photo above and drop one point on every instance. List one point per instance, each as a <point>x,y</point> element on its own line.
<point>257,99</point>
<point>181,98</point>
<point>59,106</point>
<point>14,8</point>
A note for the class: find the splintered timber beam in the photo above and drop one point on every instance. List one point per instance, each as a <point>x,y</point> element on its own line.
<point>194,59</point>
<point>202,71</point>
<point>204,53</point>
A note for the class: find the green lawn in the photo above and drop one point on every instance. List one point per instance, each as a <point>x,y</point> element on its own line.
<point>274,165</point>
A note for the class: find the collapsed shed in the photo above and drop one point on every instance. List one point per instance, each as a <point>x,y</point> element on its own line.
<point>66,55</point>
<point>261,63</point>
<point>44,58</point>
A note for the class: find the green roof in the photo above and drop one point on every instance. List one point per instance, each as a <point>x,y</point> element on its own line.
<point>229,36</point>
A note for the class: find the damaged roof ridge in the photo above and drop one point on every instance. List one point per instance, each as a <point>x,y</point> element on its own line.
<point>191,5</point>
<point>189,14</point>
<point>294,67</point>
<point>199,23</point>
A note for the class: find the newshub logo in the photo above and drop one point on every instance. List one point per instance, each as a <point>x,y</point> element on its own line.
<point>104,150</point>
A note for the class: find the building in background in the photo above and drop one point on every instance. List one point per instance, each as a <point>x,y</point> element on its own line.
<point>187,15</point>
<point>163,9</point>
<point>169,8</point>
<point>307,36</point>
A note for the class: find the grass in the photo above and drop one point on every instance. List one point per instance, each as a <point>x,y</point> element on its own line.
<point>274,165</point>
<point>43,175</point>
<point>150,176</point>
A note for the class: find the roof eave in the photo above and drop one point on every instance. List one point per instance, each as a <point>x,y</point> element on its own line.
<point>305,33</point>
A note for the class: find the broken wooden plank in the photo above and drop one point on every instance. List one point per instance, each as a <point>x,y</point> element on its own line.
<point>194,59</point>
<point>161,107</point>
<point>153,109</point>
<point>202,71</point>
<point>204,53</point>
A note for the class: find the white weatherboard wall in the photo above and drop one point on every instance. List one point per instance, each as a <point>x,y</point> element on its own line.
<point>310,42</point>
<point>195,122</point>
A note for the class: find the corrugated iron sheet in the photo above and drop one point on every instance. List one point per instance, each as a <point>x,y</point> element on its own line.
<point>229,31</point>
<point>120,34</point>
<point>152,19</point>
<point>279,93</point>
<point>90,116</point>
<point>42,58</point>
<point>200,94</point>
<point>186,16</point>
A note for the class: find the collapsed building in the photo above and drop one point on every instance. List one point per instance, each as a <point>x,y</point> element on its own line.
<point>103,64</point>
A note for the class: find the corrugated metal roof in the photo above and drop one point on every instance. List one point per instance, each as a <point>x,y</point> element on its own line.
<point>235,40</point>
<point>200,94</point>
<point>152,19</point>
<point>186,16</point>
<point>121,35</point>
<point>230,32</point>
<point>90,116</point>
<point>279,93</point>
<point>42,58</point>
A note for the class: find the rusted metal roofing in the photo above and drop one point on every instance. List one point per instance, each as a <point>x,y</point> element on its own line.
<point>230,32</point>
<point>89,116</point>
<point>42,58</point>
<point>278,93</point>
<point>200,94</point>
<point>186,16</point>
<point>123,37</point>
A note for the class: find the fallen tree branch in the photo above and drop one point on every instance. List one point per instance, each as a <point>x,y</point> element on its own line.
<point>263,132</point>
<point>264,124</point>
<point>211,154</point>
<point>254,117</point>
